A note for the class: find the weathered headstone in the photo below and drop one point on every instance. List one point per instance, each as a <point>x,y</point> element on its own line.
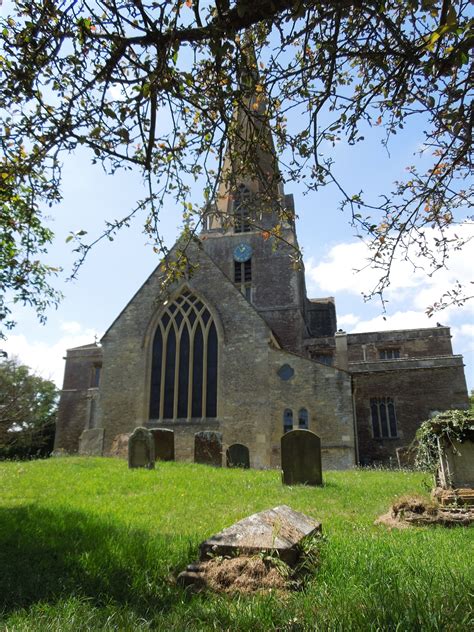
<point>120,445</point>
<point>237,455</point>
<point>141,449</point>
<point>280,529</point>
<point>208,448</point>
<point>164,444</point>
<point>456,466</point>
<point>91,442</point>
<point>301,458</point>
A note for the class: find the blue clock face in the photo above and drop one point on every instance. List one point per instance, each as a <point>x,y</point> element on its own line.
<point>242,253</point>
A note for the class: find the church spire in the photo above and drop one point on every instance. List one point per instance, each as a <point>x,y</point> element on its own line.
<point>250,176</point>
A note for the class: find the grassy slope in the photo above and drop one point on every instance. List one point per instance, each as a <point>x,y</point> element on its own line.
<point>87,544</point>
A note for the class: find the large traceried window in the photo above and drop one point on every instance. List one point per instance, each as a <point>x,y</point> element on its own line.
<point>242,198</point>
<point>184,362</point>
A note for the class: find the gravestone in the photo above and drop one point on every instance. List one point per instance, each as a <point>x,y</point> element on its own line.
<point>456,465</point>
<point>301,458</point>
<point>119,447</point>
<point>237,455</point>
<point>280,529</point>
<point>91,442</point>
<point>164,444</point>
<point>141,450</point>
<point>208,448</point>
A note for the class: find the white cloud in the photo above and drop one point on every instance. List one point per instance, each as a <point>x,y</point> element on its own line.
<point>46,359</point>
<point>409,287</point>
<point>409,319</point>
<point>71,327</point>
<point>463,338</point>
<point>347,320</point>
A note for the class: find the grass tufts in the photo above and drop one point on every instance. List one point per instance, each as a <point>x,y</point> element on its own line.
<point>86,544</point>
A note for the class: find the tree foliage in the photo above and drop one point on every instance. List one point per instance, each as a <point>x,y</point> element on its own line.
<point>152,85</point>
<point>449,426</point>
<point>27,411</point>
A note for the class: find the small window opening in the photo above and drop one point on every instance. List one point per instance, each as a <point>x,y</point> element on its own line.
<point>323,358</point>
<point>248,271</point>
<point>243,277</point>
<point>303,419</point>
<point>237,272</point>
<point>287,420</point>
<point>389,354</point>
<point>95,376</point>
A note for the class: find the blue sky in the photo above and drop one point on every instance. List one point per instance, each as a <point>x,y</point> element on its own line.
<point>115,270</point>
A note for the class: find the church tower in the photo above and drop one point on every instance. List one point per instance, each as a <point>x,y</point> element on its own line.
<point>249,229</point>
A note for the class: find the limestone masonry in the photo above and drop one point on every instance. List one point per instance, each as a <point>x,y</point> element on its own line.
<point>236,347</point>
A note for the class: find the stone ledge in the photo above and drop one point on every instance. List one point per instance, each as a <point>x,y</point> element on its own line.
<point>438,362</point>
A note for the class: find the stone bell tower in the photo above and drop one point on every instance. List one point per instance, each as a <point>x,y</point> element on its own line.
<point>249,228</point>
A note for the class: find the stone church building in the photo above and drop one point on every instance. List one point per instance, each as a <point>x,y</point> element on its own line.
<point>236,346</point>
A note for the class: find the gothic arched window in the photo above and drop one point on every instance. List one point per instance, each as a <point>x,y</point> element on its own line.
<point>184,361</point>
<point>242,198</point>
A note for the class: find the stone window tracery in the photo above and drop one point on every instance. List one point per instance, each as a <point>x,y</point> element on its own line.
<point>184,361</point>
<point>384,419</point>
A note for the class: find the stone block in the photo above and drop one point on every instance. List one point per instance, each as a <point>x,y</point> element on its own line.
<point>120,445</point>
<point>237,455</point>
<point>141,449</point>
<point>457,463</point>
<point>164,444</point>
<point>301,458</point>
<point>280,529</point>
<point>91,442</point>
<point>208,448</point>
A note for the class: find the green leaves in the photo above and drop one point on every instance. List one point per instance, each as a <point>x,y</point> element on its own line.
<point>154,88</point>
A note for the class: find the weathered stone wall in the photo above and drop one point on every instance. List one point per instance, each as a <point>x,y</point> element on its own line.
<point>278,290</point>
<point>326,394</point>
<point>366,347</point>
<point>412,343</point>
<point>416,392</point>
<point>75,411</point>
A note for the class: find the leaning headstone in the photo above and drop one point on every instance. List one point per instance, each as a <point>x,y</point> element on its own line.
<point>237,455</point>
<point>91,442</point>
<point>119,447</point>
<point>141,450</point>
<point>164,444</point>
<point>301,458</point>
<point>208,448</point>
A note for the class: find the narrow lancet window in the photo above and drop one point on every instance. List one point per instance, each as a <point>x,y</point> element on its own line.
<point>287,420</point>
<point>303,419</point>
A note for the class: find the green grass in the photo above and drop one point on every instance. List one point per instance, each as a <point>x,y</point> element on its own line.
<point>86,544</point>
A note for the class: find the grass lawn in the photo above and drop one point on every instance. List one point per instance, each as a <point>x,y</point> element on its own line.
<point>86,544</point>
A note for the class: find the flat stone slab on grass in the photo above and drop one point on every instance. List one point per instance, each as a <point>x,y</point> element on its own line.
<point>280,529</point>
